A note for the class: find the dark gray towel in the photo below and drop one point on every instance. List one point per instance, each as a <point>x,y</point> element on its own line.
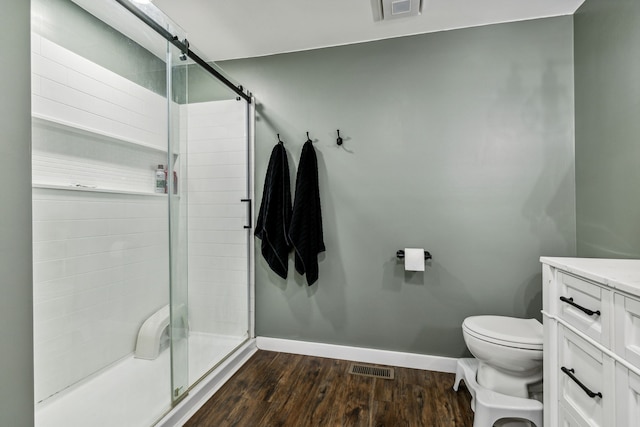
<point>275,213</point>
<point>305,231</point>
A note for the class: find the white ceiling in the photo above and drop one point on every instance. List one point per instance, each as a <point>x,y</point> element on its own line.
<point>228,29</point>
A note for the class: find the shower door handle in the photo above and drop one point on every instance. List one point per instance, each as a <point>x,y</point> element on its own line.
<point>250,216</point>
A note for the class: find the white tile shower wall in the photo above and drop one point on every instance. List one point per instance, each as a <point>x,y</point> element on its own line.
<point>70,88</point>
<point>100,269</point>
<point>217,180</point>
<point>93,127</point>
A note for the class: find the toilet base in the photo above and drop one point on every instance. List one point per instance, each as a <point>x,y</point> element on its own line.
<point>496,380</point>
<point>490,406</point>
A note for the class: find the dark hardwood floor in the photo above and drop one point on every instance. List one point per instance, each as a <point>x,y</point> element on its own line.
<point>279,389</point>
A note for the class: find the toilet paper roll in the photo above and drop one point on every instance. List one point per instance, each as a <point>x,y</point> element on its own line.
<point>414,259</point>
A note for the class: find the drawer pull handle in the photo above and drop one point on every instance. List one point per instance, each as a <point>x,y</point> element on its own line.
<point>570,373</point>
<point>579,307</point>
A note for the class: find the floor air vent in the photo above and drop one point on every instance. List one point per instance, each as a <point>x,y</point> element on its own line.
<point>371,371</point>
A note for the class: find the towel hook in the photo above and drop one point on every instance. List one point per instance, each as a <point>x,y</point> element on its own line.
<point>339,140</point>
<point>279,141</point>
<point>308,139</point>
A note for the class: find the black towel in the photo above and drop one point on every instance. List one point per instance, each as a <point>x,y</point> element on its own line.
<point>275,213</point>
<point>305,231</point>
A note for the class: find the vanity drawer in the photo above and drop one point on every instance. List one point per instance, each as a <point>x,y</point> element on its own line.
<point>627,398</point>
<point>627,328</point>
<point>586,386</point>
<point>565,419</point>
<point>585,306</point>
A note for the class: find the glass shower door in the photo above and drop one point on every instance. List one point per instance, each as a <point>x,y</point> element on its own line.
<point>209,218</point>
<point>101,290</point>
<point>114,260</point>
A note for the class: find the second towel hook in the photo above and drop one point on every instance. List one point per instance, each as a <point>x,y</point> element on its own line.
<point>308,139</point>
<point>279,141</point>
<point>339,140</point>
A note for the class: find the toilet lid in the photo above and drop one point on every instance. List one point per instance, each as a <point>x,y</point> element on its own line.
<point>510,331</point>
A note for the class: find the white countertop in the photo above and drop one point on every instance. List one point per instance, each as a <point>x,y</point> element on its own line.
<point>622,274</point>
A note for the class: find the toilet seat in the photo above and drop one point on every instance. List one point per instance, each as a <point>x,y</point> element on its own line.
<point>506,331</point>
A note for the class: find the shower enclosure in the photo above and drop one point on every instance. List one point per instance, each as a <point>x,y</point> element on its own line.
<point>140,289</point>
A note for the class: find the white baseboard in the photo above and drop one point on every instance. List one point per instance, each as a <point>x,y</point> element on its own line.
<point>203,391</point>
<point>359,354</point>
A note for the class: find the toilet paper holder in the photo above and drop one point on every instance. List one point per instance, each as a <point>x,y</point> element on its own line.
<point>400,254</point>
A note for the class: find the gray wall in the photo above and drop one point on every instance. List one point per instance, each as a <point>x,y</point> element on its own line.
<point>460,142</point>
<point>607,86</point>
<point>16,333</point>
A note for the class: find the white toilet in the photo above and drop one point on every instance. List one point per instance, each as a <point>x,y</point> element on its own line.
<point>508,350</point>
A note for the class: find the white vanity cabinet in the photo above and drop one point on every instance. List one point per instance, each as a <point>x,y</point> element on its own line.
<point>591,316</point>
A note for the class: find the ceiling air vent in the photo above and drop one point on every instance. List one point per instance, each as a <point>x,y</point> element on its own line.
<point>384,10</point>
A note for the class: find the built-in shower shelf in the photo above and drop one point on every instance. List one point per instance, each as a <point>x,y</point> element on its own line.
<point>43,120</point>
<point>71,187</point>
